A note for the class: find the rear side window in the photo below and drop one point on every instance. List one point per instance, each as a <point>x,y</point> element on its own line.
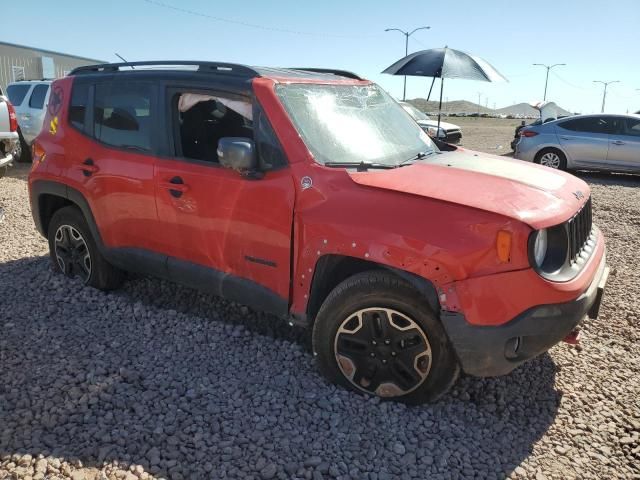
<point>17,93</point>
<point>631,127</point>
<point>78,106</point>
<point>122,115</point>
<point>38,95</point>
<point>589,125</point>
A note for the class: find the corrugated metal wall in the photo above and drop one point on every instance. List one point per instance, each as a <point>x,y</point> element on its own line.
<point>32,68</point>
<point>31,60</point>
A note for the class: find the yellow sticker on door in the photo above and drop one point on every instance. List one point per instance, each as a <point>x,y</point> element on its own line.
<point>53,126</point>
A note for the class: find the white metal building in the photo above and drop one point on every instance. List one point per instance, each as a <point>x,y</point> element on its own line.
<point>18,62</point>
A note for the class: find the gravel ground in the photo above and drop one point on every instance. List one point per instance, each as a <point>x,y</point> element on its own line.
<point>156,380</point>
<point>491,135</point>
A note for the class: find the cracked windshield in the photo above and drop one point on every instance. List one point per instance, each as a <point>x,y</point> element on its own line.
<point>353,123</point>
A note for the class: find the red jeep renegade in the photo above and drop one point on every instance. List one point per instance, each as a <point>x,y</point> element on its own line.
<point>313,195</point>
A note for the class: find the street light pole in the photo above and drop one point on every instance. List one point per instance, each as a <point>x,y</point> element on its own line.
<point>604,94</point>
<point>406,51</point>
<point>548,67</point>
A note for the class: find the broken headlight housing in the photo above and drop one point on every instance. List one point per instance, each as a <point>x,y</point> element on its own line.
<point>548,250</point>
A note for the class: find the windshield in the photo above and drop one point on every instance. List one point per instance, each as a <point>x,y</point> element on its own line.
<point>414,112</point>
<point>353,123</point>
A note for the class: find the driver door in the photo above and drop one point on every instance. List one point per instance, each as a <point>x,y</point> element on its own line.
<point>222,232</point>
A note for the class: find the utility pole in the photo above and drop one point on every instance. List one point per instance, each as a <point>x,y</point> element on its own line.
<point>548,67</point>
<point>604,94</point>
<point>479,95</point>
<point>406,51</point>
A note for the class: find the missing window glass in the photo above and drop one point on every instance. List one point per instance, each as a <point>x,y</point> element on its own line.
<point>204,119</point>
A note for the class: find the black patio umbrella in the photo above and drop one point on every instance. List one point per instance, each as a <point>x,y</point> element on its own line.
<point>445,63</point>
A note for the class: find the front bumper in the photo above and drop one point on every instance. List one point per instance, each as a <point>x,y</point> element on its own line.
<point>6,160</point>
<point>9,145</point>
<point>490,351</point>
<point>453,137</point>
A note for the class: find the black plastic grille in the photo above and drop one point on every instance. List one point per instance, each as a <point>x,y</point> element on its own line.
<point>579,230</point>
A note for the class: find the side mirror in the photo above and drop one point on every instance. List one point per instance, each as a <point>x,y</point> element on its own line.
<point>238,153</point>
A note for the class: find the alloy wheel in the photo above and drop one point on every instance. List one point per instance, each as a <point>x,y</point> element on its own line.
<point>72,253</point>
<point>550,159</point>
<point>383,352</point>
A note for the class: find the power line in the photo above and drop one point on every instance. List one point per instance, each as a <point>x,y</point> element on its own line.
<point>418,42</point>
<point>568,83</point>
<point>158,3</point>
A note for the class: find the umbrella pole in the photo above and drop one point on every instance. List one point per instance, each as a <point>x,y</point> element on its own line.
<point>431,88</point>
<point>440,106</point>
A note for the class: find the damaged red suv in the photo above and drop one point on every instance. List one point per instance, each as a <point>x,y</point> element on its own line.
<point>313,195</point>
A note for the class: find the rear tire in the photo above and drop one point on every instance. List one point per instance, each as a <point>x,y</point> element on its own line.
<point>376,334</point>
<point>3,171</point>
<point>74,252</point>
<point>24,153</point>
<point>552,158</point>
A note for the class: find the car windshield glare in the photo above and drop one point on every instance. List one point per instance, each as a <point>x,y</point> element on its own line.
<point>353,123</point>
<point>414,112</point>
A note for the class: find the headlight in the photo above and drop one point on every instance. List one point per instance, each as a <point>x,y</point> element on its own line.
<point>548,250</point>
<point>540,247</point>
<point>432,132</point>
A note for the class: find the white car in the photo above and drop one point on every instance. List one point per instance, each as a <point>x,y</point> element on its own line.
<point>9,146</point>
<point>448,132</point>
<point>30,99</point>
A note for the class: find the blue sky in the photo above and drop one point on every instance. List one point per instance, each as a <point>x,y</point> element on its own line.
<point>597,40</point>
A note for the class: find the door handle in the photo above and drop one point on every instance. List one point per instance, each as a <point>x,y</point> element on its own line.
<point>87,167</point>
<point>565,138</point>
<point>618,142</point>
<point>176,187</point>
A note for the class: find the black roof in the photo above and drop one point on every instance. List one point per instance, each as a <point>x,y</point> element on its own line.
<point>222,68</point>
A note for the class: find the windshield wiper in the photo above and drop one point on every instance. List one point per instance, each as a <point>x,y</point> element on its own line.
<point>417,156</point>
<point>360,166</point>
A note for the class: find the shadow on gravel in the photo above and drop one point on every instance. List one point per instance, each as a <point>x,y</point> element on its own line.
<point>188,386</point>
<point>19,171</point>
<point>601,178</point>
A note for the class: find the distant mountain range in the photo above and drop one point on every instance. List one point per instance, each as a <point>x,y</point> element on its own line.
<point>463,106</point>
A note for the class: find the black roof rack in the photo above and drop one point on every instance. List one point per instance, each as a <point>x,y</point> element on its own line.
<point>340,73</point>
<point>217,67</point>
<point>212,67</point>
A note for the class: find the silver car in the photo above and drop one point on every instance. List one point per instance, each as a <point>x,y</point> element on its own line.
<point>590,142</point>
<point>30,99</point>
<point>448,132</point>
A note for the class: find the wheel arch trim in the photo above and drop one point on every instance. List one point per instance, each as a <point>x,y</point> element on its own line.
<point>47,187</point>
<point>328,274</point>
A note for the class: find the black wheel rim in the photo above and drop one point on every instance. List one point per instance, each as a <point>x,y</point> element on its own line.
<point>72,253</point>
<point>383,352</point>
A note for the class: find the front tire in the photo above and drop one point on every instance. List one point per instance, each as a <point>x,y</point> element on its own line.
<point>376,334</point>
<point>552,158</point>
<point>74,252</point>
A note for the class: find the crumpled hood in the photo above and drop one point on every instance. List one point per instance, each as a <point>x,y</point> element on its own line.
<point>434,123</point>
<point>536,195</point>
